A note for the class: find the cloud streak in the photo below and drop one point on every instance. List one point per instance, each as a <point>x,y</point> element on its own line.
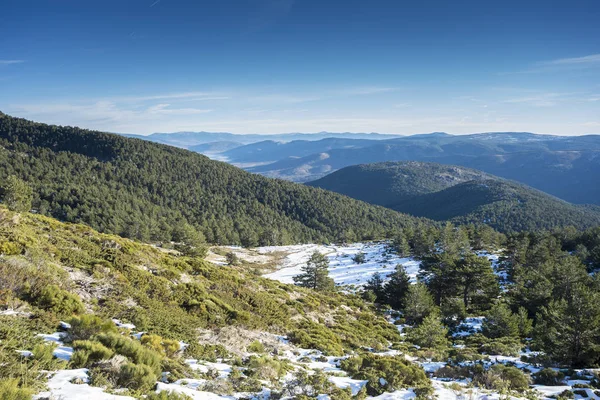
<point>591,60</point>
<point>11,62</point>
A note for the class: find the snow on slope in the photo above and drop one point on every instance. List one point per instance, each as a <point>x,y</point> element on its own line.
<point>342,268</point>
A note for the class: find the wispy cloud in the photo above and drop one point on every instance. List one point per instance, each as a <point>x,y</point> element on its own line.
<point>10,62</point>
<point>166,109</point>
<point>540,100</point>
<point>589,61</point>
<point>172,96</point>
<point>367,90</point>
<point>155,3</point>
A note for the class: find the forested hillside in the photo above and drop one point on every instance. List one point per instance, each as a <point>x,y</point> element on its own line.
<point>149,191</point>
<point>463,195</point>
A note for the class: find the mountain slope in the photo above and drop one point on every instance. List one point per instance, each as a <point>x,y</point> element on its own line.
<point>566,167</point>
<point>464,195</point>
<point>146,190</point>
<point>52,271</point>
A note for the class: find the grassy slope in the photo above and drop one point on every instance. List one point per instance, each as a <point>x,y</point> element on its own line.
<point>162,292</point>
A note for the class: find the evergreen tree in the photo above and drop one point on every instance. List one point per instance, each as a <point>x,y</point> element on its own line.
<point>315,274</point>
<point>18,195</point>
<point>429,334</point>
<point>474,277</point>
<point>401,245</point>
<point>396,288</point>
<point>419,303</point>
<point>375,285</point>
<point>453,311</point>
<point>500,322</point>
<point>568,330</point>
<point>437,272</point>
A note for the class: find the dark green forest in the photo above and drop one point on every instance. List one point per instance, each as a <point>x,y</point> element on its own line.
<point>462,195</point>
<point>154,192</point>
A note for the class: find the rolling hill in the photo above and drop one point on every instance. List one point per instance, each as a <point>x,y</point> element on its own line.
<point>462,195</point>
<point>149,191</point>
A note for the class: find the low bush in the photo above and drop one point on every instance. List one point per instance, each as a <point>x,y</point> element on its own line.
<point>256,347</point>
<point>166,347</point>
<point>88,352</point>
<point>548,377</point>
<point>133,350</point>
<point>85,326</point>
<point>309,386</point>
<point>137,377</point>
<point>385,373</point>
<point>311,335</point>
<point>267,368</point>
<point>10,390</point>
<point>501,377</point>
<point>206,352</point>
<point>59,301</point>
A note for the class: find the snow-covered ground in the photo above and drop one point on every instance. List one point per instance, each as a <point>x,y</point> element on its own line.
<point>342,268</point>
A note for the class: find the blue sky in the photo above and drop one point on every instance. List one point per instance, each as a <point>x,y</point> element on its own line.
<point>271,66</point>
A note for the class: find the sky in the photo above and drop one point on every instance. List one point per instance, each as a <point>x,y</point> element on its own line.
<point>274,66</point>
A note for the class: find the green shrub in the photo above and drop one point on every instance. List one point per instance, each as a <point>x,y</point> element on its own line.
<point>267,368</point>
<point>206,352</point>
<point>85,326</point>
<point>256,347</point>
<point>502,347</point>
<point>88,352</point>
<point>137,377</point>
<point>132,349</point>
<point>548,377</point>
<point>396,371</point>
<point>304,385</point>
<point>500,322</point>
<point>55,299</point>
<point>166,347</point>
<point>43,354</point>
<point>311,335</point>
<point>501,377</point>
<point>10,390</point>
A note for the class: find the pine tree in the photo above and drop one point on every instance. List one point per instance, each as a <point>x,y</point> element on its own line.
<point>437,273</point>
<point>430,334</point>
<point>500,322</point>
<point>419,303</point>
<point>401,245</point>
<point>375,285</point>
<point>568,330</point>
<point>18,195</point>
<point>396,289</point>
<point>474,276</point>
<point>315,274</point>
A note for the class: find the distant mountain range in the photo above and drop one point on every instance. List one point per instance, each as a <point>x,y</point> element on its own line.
<point>462,195</point>
<point>190,139</point>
